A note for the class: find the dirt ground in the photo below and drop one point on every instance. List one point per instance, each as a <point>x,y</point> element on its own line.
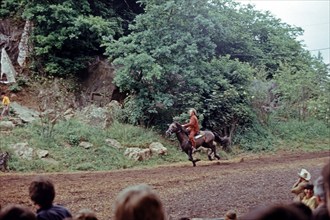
<point>205,191</point>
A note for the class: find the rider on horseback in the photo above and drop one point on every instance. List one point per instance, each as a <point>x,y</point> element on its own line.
<point>192,127</point>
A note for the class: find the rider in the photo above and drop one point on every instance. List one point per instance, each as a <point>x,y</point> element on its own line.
<point>193,127</point>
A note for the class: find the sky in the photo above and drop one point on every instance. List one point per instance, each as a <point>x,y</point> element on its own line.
<point>311,15</point>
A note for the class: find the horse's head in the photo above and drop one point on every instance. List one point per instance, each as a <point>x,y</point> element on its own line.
<point>173,128</point>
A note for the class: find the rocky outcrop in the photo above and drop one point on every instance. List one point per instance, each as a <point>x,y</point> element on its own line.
<point>22,150</point>
<point>113,143</point>
<point>23,47</point>
<point>137,154</point>
<point>7,68</point>
<point>157,148</point>
<point>25,114</point>
<point>98,85</point>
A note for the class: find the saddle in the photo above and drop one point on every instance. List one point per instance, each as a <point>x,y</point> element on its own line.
<point>200,134</point>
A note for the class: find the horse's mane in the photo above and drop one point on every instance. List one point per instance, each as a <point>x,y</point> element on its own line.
<point>181,127</point>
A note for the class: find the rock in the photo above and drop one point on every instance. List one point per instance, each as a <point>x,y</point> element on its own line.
<point>42,153</point>
<point>113,143</point>
<point>93,115</point>
<point>7,67</point>
<point>157,148</point>
<point>6,125</point>
<point>23,46</point>
<point>23,150</point>
<point>24,113</point>
<point>137,154</point>
<point>50,161</point>
<point>85,144</point>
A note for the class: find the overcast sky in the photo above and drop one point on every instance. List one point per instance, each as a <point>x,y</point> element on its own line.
<point>310,15</point>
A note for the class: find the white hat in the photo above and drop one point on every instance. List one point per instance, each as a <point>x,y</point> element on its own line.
<point>305,174</point>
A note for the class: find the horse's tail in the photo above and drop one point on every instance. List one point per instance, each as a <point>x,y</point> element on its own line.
<point>223,141</point>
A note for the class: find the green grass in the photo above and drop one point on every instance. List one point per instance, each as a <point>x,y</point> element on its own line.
<point>65,137</point>
<point>63,147</point>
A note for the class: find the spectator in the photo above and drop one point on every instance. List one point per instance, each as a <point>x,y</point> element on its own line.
<point>302,208</point>
<point>138,203</point>
<point>16,212</point>
<point>298,187</point>
<point>309,198</point>
<point>277,212</point>
<point>42,193</point>
<point>326,179</point>
<point>321,212</point>
<point>5,103</point>
<point>231,215</point>
<point>85,214</point>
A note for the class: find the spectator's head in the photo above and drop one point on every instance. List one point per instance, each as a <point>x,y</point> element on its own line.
<point>138,203</point>
<point>276,212</point>
<point>304,174</point>
<point>231,215</point>
<point>42,192</point>
<point>319,189</point>
<point>17,212</point>
<point>326,179</point>
<point>302,208</point>
<point>3,94</point>
<point>86,214</point>
<point>309,190</point>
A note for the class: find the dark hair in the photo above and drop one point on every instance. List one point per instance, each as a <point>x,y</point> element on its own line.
<point>42,192</point>
<point>3,93</point>
<point>16,212</point>
<point>309,186</point>
<point>302,208</point>
<point>275,212</point>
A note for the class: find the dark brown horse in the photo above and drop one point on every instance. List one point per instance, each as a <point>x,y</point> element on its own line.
<point>206,141</point>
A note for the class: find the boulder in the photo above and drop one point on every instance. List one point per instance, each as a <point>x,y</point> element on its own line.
<point>157,148</point>
<point>113,143</point>
<point>137,154</point>
<point>42,153</point>
<point>50,161</point>
<point>24,113</point>
<point>22,150</point>
<point>6,125</point>
<point>85,144</point>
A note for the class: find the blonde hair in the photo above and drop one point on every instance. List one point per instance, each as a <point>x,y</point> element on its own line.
<point>192,110</point>
<point>138,203</point>
<point>85,214</point>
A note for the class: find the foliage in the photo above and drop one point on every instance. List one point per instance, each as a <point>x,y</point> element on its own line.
<point>67,34</point>
<point>303,90</point>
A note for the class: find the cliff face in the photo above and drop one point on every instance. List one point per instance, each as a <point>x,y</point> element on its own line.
<point>97,87</point>
<point>10,36</point>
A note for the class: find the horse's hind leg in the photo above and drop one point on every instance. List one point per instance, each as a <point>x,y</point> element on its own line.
<point>214,149</point>
<point>209,153</point>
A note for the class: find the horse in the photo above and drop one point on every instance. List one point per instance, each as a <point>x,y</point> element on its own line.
<point>205,140</point>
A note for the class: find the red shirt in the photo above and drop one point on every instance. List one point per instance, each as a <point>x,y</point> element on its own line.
<point>193,124</point>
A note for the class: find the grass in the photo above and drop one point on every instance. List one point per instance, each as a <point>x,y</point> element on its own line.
<point>63,144</point>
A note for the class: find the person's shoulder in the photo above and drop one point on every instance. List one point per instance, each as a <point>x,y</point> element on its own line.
<point>60,207</point>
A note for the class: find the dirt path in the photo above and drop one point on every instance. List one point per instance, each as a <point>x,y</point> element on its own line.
<point>208,190</point>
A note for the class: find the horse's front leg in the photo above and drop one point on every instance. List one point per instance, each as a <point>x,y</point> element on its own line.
<point>189,153</point>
